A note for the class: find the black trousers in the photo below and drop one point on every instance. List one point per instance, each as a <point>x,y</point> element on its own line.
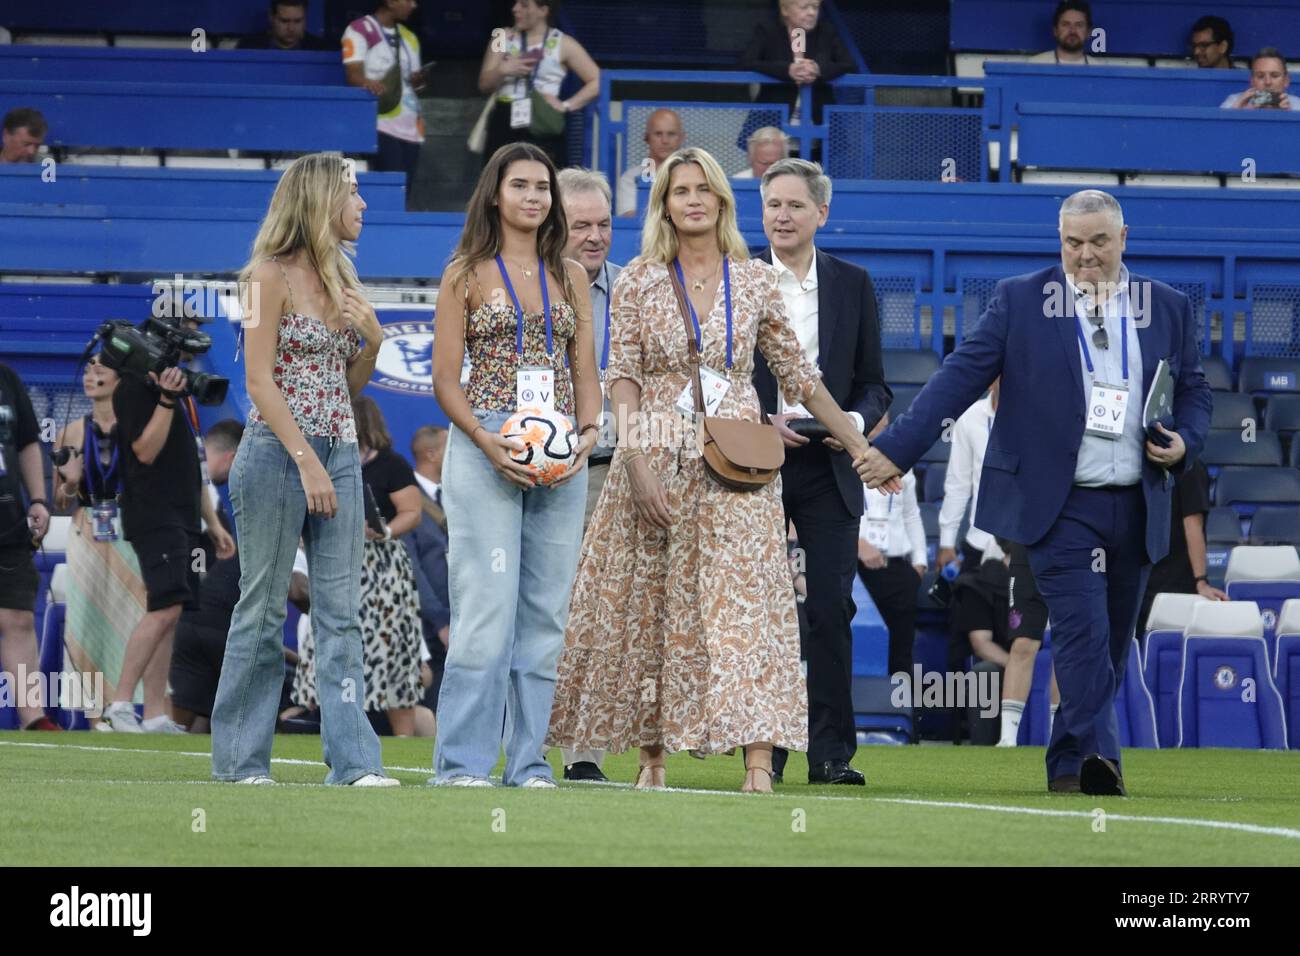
<point>397,156</point>
<point>893,588</point>
<point>828,535</point>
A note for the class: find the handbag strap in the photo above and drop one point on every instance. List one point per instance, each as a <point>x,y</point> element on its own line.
<point>692,347</point>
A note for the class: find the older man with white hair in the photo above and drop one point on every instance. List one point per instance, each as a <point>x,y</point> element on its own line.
<point>585,196</point>
<point>764,147</point>
<point>1072,471</point>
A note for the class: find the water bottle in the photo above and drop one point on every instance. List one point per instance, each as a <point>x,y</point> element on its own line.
<point>951,570</point>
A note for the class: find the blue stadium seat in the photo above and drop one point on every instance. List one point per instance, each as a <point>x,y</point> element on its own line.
<point>910,366</point>
<point>1293,460</point>
<point>1282,414</point>
<point>1226,446</point>
<point>930,518</point>
<point>940,451</point>
<point>1276,524</point>
<point>1223,526</point>
<point>1226,697</point>
<point>1163,659</point>
<point>903,395</point>
<point>1261,375</point>
<point>934,478</point>
<point>1217,374</point>
<point>1286,667</point>
<point>1268,576</point>
<point>1245,488</point>
<point>1231,408</point>
<point>1135,709</point>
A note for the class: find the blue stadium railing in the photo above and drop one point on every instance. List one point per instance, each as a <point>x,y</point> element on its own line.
<point>136,65</point>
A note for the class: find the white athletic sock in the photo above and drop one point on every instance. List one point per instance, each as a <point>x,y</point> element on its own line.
<point>1012,711</point>
<point>1051,719</point>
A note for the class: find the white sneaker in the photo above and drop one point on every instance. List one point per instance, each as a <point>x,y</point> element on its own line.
<point>257,780</point>
<point>375,780</point>
<point>121,718</point>
<point>1006,743</point>
<point>539,783</point>
<point>466,781</point>
<point>162,724</point>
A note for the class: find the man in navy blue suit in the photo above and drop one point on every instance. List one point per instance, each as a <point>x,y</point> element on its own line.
<point>1070,471</point>
<point>831,306</point>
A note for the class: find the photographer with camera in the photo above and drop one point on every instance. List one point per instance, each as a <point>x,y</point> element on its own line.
<point>162,500</point>
<point>21,531</point>
<point>1268,83</point>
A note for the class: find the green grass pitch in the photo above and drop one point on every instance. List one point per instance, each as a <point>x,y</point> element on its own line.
<point>97,799</point>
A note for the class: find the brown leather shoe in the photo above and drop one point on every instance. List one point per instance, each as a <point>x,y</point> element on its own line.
<point>1101,777</point>
<point>1066,784</point>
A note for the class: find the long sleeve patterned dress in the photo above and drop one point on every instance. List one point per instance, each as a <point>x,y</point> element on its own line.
<point>687,638</point>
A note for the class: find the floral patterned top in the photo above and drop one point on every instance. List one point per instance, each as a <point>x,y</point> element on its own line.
<point>311,369</point>
<point>490,333</point>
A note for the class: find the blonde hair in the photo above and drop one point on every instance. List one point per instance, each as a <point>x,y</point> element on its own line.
<point>659,236</point>
<point>309,196</point>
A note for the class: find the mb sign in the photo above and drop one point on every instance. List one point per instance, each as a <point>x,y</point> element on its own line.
<point>1282,381</point>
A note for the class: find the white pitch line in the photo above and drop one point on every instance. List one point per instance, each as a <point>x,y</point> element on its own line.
<point>1284,832</point>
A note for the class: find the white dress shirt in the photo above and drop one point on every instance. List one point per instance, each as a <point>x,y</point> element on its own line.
<point>429,486</point>
<point>961,484</point>
<point>801,310</point>
<point>902,516</point>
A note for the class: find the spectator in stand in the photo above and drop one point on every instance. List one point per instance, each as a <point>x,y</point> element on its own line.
<point>1212,43</point>
<point>287,30</point>
<point>390,605</point>
<point>796,46</point>
<point>891,561</point>
<point>1269,80</point>
<point>1071,26</point>
<point>381,55</point>
<point>1182,570</point>
<point>105,594</point>
<point>523,69</point>
<point>24,134</point>
<point>664,135</point>
<point>766,146</point>
<point>21,530</point>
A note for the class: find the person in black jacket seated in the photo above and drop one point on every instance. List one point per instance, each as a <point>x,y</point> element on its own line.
<point>831,306</point>
<point>809,59</point>
<point>287,30</point>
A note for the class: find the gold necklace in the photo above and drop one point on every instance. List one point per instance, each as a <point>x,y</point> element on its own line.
<point>698,284</point>
<point>528,273</point>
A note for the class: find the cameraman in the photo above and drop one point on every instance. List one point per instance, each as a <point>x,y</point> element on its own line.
<point>21,529</point>
<point>1268,83</point>
<point>162,501</point>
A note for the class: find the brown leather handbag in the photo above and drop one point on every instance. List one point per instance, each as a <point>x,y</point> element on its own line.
<point>738,455</point>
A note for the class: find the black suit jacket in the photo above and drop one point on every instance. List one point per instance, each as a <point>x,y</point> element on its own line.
<point>769,52</point>
<point>848,343</point>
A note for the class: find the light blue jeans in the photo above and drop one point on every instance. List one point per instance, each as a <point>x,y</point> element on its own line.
<point>511,558</point>
<point>271,514</point>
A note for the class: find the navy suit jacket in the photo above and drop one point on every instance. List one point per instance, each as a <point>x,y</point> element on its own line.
<point>427,545</point>
<point>848,353</point>
<point>1033,450</point>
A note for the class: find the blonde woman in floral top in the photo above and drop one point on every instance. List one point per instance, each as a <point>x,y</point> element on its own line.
<point>683,633</point>
<point>511,301</point>
<point>311,341</point>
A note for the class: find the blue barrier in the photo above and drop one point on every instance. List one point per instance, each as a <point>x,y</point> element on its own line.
<point>163,187</point>
<point>1152,27</point>
<point>201,115</point>
<point>1163,138</point>
<point>134,65</point>
<point>147,16</point>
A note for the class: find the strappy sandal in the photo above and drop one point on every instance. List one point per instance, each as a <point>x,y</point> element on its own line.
<point>651,777</point>
<point>751,784</point>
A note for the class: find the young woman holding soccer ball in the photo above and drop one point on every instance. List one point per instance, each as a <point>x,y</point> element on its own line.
<point>523,313</point>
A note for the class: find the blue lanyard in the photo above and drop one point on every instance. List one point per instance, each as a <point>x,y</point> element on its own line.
<point>101,487</point>
<point>695,319</point>
<point>609,293</point>
<point>519,310</point>
<point>1083,343</point>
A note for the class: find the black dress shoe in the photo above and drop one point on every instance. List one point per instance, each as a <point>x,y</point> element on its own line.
<point>1100,777</point>
<point>835,771</point>
<point>1066,784</point>
<point>584,771</point>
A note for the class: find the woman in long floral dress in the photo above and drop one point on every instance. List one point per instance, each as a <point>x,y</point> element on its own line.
<point>682,631</point>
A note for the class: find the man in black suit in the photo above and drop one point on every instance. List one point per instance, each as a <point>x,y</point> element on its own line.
<point>831,306</point>
<point>794,46</point>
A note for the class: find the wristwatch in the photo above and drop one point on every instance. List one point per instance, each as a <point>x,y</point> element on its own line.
<point>1201,577</point>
